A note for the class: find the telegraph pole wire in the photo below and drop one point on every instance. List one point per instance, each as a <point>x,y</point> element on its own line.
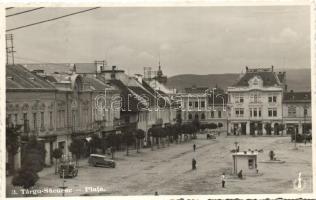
<point>52,19</point>
<point>22,12</point>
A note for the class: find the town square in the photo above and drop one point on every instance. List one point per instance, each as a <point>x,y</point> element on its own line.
<point>159,101</point>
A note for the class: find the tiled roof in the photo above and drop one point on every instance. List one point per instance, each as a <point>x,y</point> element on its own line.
<point>94,83</point>
<point>161,101</point>
<point>129,101</point>
<point>297,97</point>
<point>61,67</point>
<point>18,77</point>
<point>269,78</point>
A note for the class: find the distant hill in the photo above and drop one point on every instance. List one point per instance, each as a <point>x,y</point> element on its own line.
<point>297,80</point>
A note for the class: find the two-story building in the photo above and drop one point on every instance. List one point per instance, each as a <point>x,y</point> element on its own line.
<point>255,103</point>
<point>204,104</point>
<point>297,112</point>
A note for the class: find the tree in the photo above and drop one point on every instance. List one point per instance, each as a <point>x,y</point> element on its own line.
<point>281,128</point>
<point>76,148</point>
<point>26,178</point>
<point>113,141</point>
<point>94,143</point>
<point>13,142</point>
<point>211,126</point>
<point>140,135</point>
<point>128,138</point>
<point>57,153</point>
<point>196,124</point>
<point>268,128</point>
<point>220,125</point>
<point>34,155</point>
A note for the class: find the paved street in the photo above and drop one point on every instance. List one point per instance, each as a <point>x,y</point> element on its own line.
<point>168,170</point>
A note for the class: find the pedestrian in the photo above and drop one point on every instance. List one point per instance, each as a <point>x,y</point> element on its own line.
<point>193,164</point>
<point>223,180</point>
<point>240,174</point>
<point>194,147</point>
<point>156,193</point>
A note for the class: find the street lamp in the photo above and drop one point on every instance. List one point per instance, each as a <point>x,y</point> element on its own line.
<point>63,187</point>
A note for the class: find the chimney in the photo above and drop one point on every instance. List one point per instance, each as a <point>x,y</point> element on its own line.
<point>113,72</point>
<point>272,68</point>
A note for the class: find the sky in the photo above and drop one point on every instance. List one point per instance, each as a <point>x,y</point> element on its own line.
<point>186,40</point>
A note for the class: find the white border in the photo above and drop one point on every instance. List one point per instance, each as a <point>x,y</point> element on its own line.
<point>157,3</point>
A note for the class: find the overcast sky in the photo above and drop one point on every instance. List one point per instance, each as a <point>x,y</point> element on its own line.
<point>196,40</point>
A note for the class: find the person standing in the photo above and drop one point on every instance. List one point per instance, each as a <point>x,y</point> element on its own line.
<point>193,164</point>
<point>223,180</point>
<point>194,147</point>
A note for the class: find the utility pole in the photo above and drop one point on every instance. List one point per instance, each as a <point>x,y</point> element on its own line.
<point>9,48</point>
<point>63,187</point>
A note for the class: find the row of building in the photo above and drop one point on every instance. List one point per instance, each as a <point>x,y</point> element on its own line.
<point>57,107</point>
<point>59,103</point>
<point>259,103</point>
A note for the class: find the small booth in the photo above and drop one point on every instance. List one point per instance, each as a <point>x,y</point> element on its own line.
<point>245,161</point>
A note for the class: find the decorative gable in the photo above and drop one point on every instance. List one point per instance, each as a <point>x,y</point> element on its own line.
<point>255,82</point>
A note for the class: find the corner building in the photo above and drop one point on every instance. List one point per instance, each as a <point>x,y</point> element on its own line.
<point>255,103</point>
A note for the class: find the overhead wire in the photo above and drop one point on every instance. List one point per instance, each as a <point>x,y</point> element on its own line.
<point>22,12</point>
<point>52,19</point>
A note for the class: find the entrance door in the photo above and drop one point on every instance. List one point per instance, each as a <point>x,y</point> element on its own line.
<point>243,128</point>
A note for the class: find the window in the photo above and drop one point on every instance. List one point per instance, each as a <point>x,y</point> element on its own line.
<point>35,121</point>
<point>212,114</point>
<point>305,111</point>
<point>254,98</point>
<point>42,120</point>
<point>259,112</point>
<point>196,104</point>
<point>272,112</point>
<point>272,99</point>
<point>203,116</point>
<point>292,111</point>
<point>25,122</point>
<point>190,116</point>
<point>196,116</point>
<point>239,112</point>
<point>250,163</point>
<point>16,119</point>
<point>51,120</point>
<point>219,114</point>
<point>255,113</point>
<point>239,99</point>
<point>202,104</point>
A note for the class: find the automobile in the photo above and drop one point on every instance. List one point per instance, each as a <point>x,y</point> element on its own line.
<point>100,160</point>
<point>68,170</point>
<point>210,136</point>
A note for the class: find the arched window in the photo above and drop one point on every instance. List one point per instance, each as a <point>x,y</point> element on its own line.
<point>203,116</point>
<point>190,116</point>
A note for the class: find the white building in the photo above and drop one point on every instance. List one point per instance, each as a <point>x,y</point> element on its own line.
<point>255,103</point>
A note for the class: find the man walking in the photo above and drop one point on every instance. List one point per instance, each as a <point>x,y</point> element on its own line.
<point>193,164</point>
<point>194,147</point>
<point>223,180</point>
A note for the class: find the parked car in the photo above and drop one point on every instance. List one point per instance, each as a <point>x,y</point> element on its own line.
<point>101,160</point>
<point>210,136</point>
<point>67,170</point>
